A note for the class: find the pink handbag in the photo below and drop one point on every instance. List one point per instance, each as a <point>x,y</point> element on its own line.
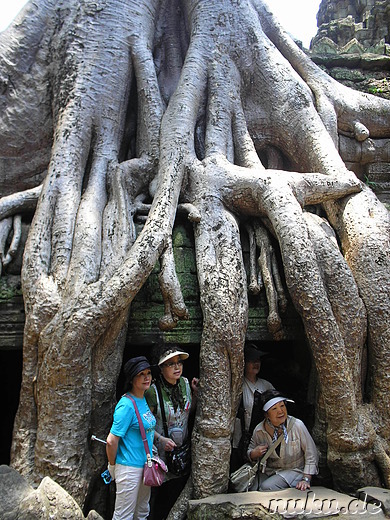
<point>155,468</point>
<point>154,471</point>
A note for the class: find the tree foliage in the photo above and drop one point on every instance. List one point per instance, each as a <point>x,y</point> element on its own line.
<point>113,108</point>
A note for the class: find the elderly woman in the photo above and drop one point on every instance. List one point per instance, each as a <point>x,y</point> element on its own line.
<point>171,401</point>
<point>295,460</point>
<point>125,448</point>
<point>250,412</point>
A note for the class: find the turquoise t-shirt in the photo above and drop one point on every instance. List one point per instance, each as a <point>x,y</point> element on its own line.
<point>131,451</point>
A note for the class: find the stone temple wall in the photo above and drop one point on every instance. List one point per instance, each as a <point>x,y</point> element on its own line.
<point>352,45</point>
<point>367,21</point>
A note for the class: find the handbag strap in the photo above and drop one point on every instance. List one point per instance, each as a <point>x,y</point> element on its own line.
<point>241,414</point>
<point>273,446</point>
<point>162,407</point>
<point>141,426</point>
<point>256,414</point>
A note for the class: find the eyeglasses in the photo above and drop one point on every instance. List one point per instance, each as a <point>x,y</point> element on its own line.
<point>172,364</point>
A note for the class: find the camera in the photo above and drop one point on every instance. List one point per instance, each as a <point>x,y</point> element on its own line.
<point>106,477</point>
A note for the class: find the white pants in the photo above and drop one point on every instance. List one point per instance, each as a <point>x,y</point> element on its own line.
<point>132,496</point>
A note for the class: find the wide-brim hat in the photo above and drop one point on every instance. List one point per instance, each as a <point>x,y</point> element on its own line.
<point>169,354</point>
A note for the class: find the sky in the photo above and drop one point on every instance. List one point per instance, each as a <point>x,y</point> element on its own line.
<point>298,17</point>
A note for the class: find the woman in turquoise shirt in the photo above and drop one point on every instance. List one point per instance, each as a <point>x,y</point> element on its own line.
<point>125,449</point>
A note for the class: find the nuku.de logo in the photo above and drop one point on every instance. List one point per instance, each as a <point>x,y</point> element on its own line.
<point>309,504</point>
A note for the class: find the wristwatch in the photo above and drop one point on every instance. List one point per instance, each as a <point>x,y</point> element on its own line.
<point>306,479</point>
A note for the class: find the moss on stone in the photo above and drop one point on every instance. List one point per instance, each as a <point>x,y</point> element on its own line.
<point>10,287</point>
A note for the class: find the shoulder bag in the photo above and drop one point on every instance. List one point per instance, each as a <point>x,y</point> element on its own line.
<point>242,479</point>
<point>179,459</point>
<point>155,469</point>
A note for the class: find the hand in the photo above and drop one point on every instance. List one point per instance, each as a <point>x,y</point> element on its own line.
<point>259,451</point>
<point>195,385</point>
<point>303,485</point>
<point>167,443</point>
<point>111,469</point>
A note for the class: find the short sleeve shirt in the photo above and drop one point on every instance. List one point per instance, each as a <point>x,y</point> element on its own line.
<point>131,451</point>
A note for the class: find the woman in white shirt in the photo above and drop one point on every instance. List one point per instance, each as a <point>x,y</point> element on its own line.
<point>295,460</point>
<point>250,410</point>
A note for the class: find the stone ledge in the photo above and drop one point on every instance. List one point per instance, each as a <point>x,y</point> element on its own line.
<point>377,495</point>
<point>319,502</point>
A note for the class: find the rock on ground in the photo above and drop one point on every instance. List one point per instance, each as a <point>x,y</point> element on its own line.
<point>20,501</point>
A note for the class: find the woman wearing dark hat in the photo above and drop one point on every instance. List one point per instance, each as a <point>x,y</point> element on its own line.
<point>295,460</point>
<point>125,449</point>
<point>177,401</point>
<point>250,411</point>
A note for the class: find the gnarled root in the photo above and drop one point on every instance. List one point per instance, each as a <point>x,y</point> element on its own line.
<point>351,453</point>
<point>268,274</point>
<point>5,230</point>
<point>255,281</point>
<point>9,226</point>
<point>175,308</point>
<point>382,459</point>
<point>223,297</point>
<point>16,236</point>
<point>13,206</point>
<point>343,293</point>
<point>192,212</point>
<point>19,202</point>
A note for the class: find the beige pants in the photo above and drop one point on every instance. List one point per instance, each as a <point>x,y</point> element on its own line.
<point>287,478</point>
<point>132,496</point>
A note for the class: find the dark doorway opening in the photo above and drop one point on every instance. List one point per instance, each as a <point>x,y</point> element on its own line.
<point>288,366</point>
<point>11,377</point>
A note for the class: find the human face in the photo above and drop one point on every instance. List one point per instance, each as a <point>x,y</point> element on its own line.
<point>172,369</point>
<point>141,382</point>
<point>252,368</point>
<point>277,414</point>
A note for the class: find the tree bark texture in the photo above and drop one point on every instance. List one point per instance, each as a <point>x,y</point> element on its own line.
<point>113,108</point>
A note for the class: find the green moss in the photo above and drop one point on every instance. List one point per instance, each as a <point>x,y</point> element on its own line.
<point>182,237</point>
<point>10,287</point>
<point>371,184</point>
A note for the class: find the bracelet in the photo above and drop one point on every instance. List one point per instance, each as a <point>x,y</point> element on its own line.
<point>306,479</point>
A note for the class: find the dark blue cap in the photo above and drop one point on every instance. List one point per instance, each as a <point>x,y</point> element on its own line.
<point>134,366</point>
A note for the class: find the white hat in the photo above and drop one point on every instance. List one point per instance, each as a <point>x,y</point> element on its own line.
<point>269,404</point>
<point>172,353</point>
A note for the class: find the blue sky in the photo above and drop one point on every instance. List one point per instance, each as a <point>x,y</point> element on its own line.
<point>297,16</point>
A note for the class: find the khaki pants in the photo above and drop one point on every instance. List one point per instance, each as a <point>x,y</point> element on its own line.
<point>283,479</point>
